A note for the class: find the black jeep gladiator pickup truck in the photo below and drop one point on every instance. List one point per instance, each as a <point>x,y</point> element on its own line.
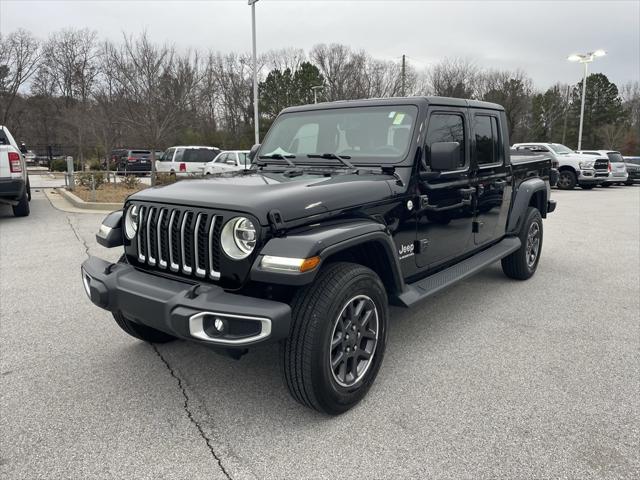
<point>347,207</point>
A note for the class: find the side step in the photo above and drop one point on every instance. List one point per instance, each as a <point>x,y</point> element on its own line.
<point>415,292</point>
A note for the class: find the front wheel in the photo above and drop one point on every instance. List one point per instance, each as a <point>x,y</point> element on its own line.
<point>337,339</point>
<point>141,332</point>
<point>566,180</point>
<point>522,263</point>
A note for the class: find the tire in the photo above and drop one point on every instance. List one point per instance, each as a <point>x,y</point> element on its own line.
<point>320,318</point>
<point>28,189</point>
<point>137,330</point>
<point>587,186</point>
<point>520,265</point>
<point>141,332</point>
<point>22,208</point>
<point>566,180</point>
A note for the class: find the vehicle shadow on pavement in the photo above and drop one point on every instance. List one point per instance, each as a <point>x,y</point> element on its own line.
<point>246,391</point>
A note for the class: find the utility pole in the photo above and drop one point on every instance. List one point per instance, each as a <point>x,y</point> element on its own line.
<point>403,75</point>
<point>256,121</point>
<point>566,115</point>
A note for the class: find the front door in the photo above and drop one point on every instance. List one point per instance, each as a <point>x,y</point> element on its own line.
<point>445,211</point>
<point>492,177</point>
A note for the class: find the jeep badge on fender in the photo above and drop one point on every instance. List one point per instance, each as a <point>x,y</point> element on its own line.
<point>310,245</point>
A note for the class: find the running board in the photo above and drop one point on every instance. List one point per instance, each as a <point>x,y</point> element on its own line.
<point>415,292</point>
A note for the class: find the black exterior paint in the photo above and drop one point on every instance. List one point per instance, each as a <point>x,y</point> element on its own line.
<point>418,225</point>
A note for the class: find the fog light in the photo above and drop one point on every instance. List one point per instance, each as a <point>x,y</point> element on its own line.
<point>86,281</point>
<point>220,325</point>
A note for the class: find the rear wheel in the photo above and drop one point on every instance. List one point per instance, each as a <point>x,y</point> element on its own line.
<point>566,180</point>
<point>22,208</point>
<point>337,339</point>
<point>522,263</point>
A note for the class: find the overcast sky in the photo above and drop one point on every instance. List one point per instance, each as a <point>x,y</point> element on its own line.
<point>535,36</point>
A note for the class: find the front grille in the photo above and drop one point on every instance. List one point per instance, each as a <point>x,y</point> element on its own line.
<point>601,164</point>
<point>180,240</point>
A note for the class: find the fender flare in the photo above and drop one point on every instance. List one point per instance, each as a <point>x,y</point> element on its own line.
<point>326,241</point>
<point>110,232</point>
<point>520,203</point>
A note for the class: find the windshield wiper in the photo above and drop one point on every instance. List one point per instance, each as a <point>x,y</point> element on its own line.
<point>279,156</point>
<point>344,159</point>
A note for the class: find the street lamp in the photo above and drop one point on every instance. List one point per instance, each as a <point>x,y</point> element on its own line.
<point>315,89</point>
<point>255,71</point>
<point>585,59</point>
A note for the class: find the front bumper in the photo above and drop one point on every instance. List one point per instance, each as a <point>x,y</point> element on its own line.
<point>590,177</point>
<point>185,310</point>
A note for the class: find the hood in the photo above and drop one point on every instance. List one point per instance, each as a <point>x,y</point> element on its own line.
<point>258,193</point>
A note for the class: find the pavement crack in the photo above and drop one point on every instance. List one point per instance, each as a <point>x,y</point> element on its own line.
<point>186,408</point>
<point>78,236</point>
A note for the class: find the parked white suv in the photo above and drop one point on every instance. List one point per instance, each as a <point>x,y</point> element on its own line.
<point>574,168</point>
<point>229,161</point>
<point>14,181</point>
<point>186,160</point>
<point>617,168</point>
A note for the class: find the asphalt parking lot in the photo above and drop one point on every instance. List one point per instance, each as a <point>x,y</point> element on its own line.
<point>492,378</point>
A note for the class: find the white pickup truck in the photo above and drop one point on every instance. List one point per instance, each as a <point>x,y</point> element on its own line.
<point>574,168</point>
<point>14,180</point>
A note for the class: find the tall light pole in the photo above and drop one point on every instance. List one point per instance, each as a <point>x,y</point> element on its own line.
<point>315,89</point>
<point>256,122</point>
<point>585,59</point>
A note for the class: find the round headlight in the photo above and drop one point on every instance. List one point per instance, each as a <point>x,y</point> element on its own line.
<point>131,222</point>
<point>238,238</point>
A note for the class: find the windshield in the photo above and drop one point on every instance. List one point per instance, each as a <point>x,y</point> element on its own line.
<point>615,157</point>
<point>634,160</point>
<point>560,149</point>
<point>365,134</point>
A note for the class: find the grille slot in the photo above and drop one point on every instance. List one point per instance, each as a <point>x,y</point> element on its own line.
<point>183,241</point>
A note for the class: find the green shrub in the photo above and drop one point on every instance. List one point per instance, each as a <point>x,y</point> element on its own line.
<point>93,165</point>
<point>165,178</point>
<point>131,181</point>
<point>59,165</point>
<point>84,179</point>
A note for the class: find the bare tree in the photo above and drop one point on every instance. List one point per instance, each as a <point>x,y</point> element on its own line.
<point>344,71</point>
<point>156,85</point>
<point>19,58</point>
<point>452,77</point>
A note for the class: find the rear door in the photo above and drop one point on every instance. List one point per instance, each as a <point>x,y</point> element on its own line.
<point>444,216</point>
<point>491,179</point>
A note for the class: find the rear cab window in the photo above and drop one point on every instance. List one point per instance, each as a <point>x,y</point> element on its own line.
<point>488,149</point>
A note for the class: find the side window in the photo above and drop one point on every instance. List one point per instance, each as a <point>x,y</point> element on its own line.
<point>244,161</point>
<point>222,158</point>
<point>179,155</point>
<point>446,127</point>
<point>168,155</point>
<point>487,148</point>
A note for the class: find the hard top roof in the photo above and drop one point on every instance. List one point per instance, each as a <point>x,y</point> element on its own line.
<point>371,102</point>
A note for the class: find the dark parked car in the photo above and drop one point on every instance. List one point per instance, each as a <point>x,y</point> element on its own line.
<point>134,161</point>
<point>348,207</point>
<point>633,169</point>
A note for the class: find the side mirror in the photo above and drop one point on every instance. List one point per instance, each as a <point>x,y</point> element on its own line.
<point>253,152</point>
<point>445,156</point>
<point>23,149</point>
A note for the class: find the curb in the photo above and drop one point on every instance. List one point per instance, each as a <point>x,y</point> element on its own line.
<point>79,203</point>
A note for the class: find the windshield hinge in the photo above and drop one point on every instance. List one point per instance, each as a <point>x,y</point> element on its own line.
<point>392,171</point>
<point>275,221</point>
